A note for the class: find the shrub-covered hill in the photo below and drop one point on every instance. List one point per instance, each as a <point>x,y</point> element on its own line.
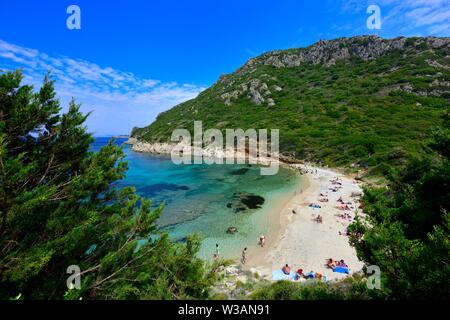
<point>362,102</point>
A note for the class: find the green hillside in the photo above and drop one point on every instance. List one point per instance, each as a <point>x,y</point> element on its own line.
<point>361,102</point>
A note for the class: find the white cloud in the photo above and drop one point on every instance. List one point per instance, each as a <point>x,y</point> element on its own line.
<point>120,100</point>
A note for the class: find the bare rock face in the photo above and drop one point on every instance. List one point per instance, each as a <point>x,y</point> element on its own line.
<point>256,90</point>
<point>229,96</point>
<point>131,141</point>
<point>437,42</point>
<point>277,88</point>
<point>328,52</point>
<point>256,97</point>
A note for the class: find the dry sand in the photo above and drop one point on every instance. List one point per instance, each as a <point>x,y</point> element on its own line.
<point>304,243</point>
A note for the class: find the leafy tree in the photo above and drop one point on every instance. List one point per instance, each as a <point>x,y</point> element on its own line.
<point>406,232</point>
<point>60,206</point>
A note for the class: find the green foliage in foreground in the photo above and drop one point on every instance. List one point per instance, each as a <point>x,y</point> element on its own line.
<point>59,206</point>
<point>407,229</point>
<point>351,288</point>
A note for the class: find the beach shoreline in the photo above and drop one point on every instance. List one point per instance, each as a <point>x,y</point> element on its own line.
<point>295,238</point>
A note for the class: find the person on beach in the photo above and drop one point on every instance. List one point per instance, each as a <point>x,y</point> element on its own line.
<point>310,275</point>
<point>298,274</point>
<point>262,240</point>
<point>342,264</point>
<point>319,276</point>
<point>244,256</point>
<point>331,263</point>
<point>286,269</point>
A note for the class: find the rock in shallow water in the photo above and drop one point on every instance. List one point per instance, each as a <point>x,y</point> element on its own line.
<point>239,172</point>
<point>243,201</point>
<point>150,190</point>
<point>232,230</point>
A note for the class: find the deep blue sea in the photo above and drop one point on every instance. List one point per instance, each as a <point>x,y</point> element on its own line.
<point>196,197</point>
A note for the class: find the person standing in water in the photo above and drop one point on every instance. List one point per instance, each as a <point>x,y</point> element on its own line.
<point>216,255</point>
<point>244,256</point>
<point>262,240</point>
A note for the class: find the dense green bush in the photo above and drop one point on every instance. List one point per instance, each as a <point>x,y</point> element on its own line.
<point>406,232</point>
<point>351,288</point>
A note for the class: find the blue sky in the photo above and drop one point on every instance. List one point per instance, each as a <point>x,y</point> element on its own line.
<point>133,59</point>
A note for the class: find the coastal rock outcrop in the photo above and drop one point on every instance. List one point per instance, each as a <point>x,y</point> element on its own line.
<point>232,230</point>
<point>244,201</point>
<point>239,172</point>
<point>207,152</point>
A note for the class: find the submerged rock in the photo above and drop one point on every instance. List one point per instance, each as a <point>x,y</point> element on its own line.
<point>160,187</point>
<point>239,172</point>
<point>232,230</point>
<point>243,201</point>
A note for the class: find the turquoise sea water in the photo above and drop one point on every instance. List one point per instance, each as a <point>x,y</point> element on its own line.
<point>196,198</point>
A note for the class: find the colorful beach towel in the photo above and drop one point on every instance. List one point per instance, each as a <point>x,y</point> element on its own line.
<point>280,275</point>
<point>312,275</point>
<point>341,270</point>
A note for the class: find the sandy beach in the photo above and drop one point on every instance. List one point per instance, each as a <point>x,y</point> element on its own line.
<point>302,242</point>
